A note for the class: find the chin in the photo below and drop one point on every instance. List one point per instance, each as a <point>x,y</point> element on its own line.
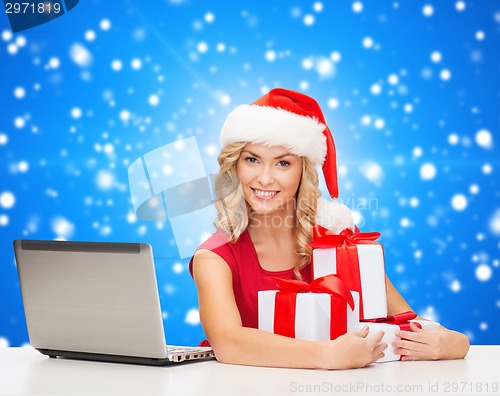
<point>262,209</point>
<point>266,208</point>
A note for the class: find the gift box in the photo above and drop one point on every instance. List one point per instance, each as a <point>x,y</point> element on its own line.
<point>360,262</point>
<point>389,336</point>
<point>390,325</point>
<point>319,311</point>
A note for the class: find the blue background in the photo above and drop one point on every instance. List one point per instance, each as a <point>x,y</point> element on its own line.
<point>71,124</point>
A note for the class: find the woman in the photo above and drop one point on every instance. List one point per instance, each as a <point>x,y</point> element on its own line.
<point>268,202</point>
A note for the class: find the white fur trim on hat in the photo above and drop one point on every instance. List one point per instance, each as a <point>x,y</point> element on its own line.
<point>333,216</point>
<point>273,126</point>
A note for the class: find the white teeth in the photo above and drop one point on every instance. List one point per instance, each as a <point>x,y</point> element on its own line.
<point>265,194</point>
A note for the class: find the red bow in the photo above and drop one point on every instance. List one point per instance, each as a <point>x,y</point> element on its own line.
<point>323,238</point>
<point>402,320</point>
<point>329,284</point>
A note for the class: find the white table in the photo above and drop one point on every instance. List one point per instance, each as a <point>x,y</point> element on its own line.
<point>25,371</point>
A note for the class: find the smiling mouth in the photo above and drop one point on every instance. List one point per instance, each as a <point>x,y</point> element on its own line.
<point>263,194</point>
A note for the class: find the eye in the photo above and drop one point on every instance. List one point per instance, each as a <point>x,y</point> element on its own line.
<point>284,163</point>
<point>252,160</point>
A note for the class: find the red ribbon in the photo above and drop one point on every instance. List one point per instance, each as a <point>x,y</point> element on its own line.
<point>286,300</point>
<point>324,238</point>
<point>402,320</point>
<point>346,253</point>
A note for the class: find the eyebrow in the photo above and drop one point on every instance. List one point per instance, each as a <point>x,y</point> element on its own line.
<point>258,156</point>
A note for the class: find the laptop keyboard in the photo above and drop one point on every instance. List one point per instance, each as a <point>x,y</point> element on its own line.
<point>179,353</point>
<point>179,349</point>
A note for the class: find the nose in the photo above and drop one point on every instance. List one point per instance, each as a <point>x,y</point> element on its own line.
<point>265,178</point>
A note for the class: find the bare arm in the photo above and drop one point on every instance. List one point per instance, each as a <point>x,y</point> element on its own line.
<point>235,344</point>
<point>424,344</point>
<point>395,301</point>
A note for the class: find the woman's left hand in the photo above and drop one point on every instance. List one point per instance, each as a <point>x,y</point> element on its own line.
<point>430,344</point>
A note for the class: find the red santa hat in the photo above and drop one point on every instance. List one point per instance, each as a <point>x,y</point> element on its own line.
<point>293,120</point>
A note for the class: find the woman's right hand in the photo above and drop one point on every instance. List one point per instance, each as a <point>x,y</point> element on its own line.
<point>354,350</point>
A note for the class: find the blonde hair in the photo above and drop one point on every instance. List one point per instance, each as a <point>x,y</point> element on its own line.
<point>307,202</point>
<point>233,211</point>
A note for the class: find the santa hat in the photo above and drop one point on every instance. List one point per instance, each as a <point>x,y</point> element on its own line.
<point>293,120</point>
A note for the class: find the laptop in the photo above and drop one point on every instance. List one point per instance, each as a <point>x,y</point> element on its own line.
<point>95,301</point>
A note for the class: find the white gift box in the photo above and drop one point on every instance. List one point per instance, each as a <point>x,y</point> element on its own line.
<point>312,315</point>
<point>390,336</point>
<point>372,276</point>
<point>427,324</point>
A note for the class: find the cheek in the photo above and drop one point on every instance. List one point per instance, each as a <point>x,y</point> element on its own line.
<point>243,173</point>
<point>294,180</point>
<point>239,170</point>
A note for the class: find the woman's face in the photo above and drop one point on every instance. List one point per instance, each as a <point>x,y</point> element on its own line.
<point>270,177</point>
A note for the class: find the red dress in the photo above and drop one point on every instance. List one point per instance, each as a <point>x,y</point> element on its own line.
<point>248,274</point>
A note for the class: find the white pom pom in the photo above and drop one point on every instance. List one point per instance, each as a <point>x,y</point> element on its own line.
<point>334,216</point>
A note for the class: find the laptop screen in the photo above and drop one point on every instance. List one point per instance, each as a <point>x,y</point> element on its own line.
<point>91,297</point>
